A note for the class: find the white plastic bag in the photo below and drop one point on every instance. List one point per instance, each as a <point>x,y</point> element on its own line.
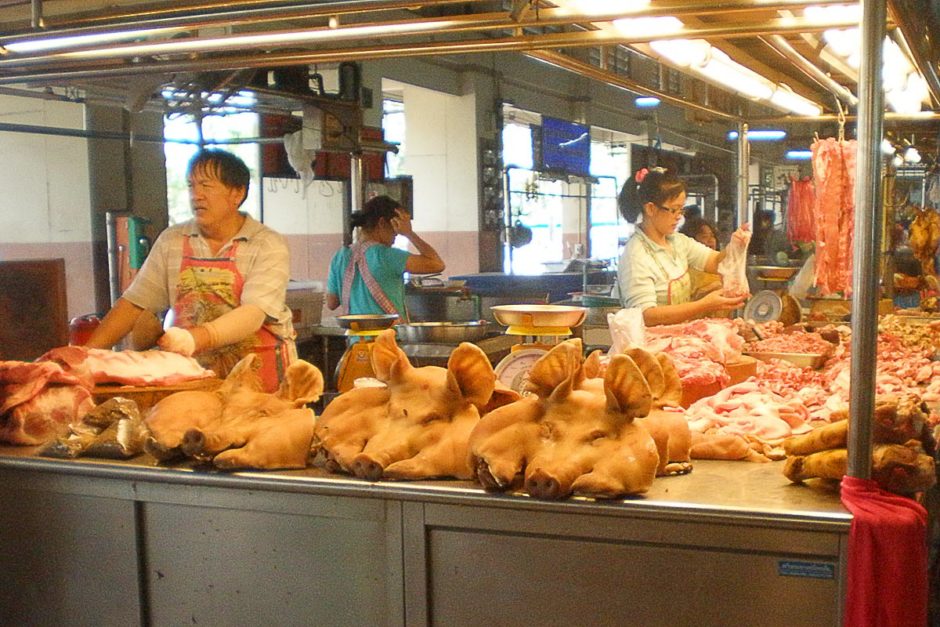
<point>627,330</point>
<point>733,268</point>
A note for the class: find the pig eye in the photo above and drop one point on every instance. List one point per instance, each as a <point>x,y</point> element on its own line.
<point>595,435</point>
<point>431,418</point>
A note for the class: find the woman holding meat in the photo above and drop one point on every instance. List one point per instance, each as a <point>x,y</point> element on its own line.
<point>368,277</point>
<point>654,267</point>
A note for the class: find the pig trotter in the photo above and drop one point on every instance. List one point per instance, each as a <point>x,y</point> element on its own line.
<point>485,477</point>
<point>159,452</point>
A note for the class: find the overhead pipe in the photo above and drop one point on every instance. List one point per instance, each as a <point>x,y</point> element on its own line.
<point>869,214</point>
<point>179,14</point>
<point>58,68</point>
<point>262,40</point>
<point>889,116</point>
<point>825,81</point>
<point>196,20</point>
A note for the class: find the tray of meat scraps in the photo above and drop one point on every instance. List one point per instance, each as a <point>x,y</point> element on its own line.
<point>803,360</point>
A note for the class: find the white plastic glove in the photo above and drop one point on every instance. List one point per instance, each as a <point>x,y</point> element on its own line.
<point>177,340</point>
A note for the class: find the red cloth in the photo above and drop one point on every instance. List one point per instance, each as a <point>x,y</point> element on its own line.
<point>887,562</point>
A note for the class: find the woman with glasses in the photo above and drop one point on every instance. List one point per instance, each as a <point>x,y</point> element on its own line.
<point>654,267</point>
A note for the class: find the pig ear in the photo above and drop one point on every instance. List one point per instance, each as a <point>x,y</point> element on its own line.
<point>502,395</point>
<point>554,367</point>
<point>472,373</point>
<point>649,368</point>
<point>573,382</point>
<point>302,384</point>
<point>626,388</point>
<point>672,384</point>
<point>592,365</point>
<point>243,374</point>
<point>388,361</point>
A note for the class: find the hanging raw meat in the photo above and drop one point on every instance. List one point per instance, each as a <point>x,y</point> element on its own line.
<point>925,238</point>
<point>801,217</point>
<point>834,206</point>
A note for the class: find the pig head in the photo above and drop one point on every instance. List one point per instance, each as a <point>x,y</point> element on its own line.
<point>418,426</point>
<point>239,425</point>
<point>577,433</point>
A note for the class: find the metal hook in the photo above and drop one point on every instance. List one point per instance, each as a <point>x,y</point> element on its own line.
<point>841,121</point>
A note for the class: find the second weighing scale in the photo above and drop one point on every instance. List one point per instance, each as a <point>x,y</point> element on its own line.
<point>542,327</point>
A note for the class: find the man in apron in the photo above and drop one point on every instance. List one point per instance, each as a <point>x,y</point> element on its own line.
<point>223,275</point>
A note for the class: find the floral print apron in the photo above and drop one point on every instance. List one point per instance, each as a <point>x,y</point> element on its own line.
<point>210,287</point>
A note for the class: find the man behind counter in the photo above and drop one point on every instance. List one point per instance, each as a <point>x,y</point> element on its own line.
<point>223,273</point>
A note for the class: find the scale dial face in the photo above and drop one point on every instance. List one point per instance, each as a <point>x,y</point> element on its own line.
<point>513,369</point>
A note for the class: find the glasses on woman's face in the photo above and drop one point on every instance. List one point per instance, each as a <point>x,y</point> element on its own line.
<point>676,211</point>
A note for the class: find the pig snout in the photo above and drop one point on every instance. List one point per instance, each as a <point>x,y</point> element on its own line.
<point>542,485</point>
<point>365,467</point>
<point>194,441</point>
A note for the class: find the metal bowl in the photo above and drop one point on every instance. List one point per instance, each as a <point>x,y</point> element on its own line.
<point>539,315</point>
<point>441,332</point>
<point>366,322</point>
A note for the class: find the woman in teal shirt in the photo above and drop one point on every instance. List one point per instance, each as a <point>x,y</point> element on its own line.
<point>368,276</point>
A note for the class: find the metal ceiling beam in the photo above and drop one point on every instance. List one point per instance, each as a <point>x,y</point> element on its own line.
<point>822,79</point>
<point>616,80</point>
<point>918,39</point>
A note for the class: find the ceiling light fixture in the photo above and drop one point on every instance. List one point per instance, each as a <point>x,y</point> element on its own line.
<point>29,46</point>
<point>799,155</point>
<point>646,102</point>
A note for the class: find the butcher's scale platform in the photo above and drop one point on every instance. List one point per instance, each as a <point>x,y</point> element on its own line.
<point>356,362</point>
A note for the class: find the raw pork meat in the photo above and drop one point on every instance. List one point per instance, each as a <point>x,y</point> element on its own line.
<point>151,367</point>
<point>38,400</point>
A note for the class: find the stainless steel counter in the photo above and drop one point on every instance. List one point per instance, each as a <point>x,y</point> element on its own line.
<point>730,542</point>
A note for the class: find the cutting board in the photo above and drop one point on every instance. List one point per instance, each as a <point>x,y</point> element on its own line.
<point>33,309</point>
<point>146,396</point>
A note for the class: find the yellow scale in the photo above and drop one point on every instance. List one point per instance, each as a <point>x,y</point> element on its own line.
<point>356,362</point>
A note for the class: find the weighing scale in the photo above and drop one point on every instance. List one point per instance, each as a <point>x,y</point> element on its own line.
<point>768,305</point>
<point>542,327</point>
<point>356,362</point>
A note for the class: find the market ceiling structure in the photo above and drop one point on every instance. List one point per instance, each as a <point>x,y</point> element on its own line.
<point>786,63</point>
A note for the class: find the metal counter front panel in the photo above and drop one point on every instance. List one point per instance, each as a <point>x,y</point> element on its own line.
<point>486,579</point>
<point>46,539</point>
<point>231,567</point>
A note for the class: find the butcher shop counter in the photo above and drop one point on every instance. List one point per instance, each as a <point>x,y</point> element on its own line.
<point>121,543</point>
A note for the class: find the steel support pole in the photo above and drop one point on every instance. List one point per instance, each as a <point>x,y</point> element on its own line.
<point>867,248</point>
<point>744,162</point>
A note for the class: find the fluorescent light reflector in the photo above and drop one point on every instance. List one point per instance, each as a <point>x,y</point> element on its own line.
<point>767,135</point>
